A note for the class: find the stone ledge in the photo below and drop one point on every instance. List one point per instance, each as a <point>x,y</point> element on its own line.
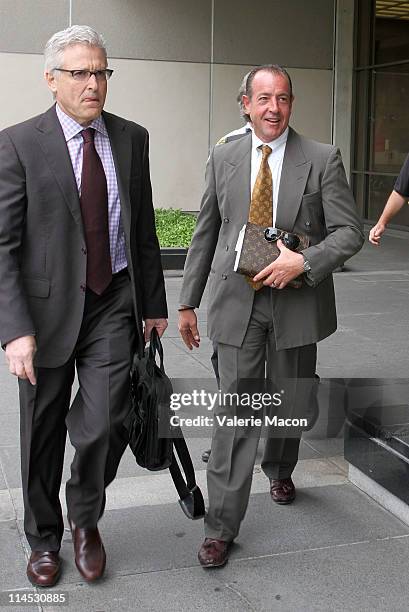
<point>382,496</point>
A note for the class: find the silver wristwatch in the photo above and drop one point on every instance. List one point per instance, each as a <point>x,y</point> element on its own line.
<point>306,265</point>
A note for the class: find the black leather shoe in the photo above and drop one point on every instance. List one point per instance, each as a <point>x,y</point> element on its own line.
<point>90,557</point>
<point>282,491</point>
<point>213,553</point>
<point>44,568</point>
<point>206,455</point>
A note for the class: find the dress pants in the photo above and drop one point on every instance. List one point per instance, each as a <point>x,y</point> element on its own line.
<point>231,463</point>
<point>102,358</point>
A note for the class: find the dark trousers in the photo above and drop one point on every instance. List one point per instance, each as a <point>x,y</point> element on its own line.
<point>102,358</point>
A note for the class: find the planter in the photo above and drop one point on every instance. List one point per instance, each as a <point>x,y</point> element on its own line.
<point>173,258</point>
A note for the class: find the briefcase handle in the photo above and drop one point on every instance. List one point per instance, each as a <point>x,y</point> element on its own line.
<point>155,346</point>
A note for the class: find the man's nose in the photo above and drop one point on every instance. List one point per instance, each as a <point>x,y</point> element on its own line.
<point>273,104</point>
<point>92,82</point>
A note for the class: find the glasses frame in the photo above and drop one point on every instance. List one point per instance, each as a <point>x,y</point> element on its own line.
<point>107,72</point>
<point>272,234</point>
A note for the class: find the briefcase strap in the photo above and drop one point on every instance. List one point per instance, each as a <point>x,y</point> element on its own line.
<point>191,498</point>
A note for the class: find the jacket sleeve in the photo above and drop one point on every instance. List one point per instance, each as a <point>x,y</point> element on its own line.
<point>152,283</point>
<point>15,319</point>
<point>343,225</point>
<point>204,241</point>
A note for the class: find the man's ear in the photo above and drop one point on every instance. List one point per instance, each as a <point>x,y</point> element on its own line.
<point>51,81</point>
<point>246,102</point>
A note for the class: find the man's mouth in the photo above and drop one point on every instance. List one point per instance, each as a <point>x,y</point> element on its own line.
<point>273,120</point>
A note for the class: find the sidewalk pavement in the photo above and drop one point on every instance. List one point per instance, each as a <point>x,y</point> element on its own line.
<point>333,549</point>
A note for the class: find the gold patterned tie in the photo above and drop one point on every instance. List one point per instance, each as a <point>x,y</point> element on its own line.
<point>261,205</point>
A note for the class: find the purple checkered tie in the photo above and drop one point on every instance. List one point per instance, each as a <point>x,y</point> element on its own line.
<point>94,208</point>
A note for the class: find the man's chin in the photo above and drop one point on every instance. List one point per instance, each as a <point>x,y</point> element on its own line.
<point>88,117</point>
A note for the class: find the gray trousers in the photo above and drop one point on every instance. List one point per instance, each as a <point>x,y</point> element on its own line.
<point>231,463</point>
<point>102,358</point>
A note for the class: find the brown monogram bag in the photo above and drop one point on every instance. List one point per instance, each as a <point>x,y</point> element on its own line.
<point>257,252</point>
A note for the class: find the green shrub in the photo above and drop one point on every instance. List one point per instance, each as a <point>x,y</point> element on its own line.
<point>174,227</point>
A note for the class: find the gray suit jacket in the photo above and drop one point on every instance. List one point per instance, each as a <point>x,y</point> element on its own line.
<point>314,199</point>
<point>42,245</point>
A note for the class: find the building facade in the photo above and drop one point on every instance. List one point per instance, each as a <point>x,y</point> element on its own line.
<point>178,65</point>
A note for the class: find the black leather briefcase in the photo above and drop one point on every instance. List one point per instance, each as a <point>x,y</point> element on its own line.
<point>151,438</point>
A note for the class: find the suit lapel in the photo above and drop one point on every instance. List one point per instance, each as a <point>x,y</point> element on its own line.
<point>121,146</point>
<point>294,176</point>
<point>237,172</point>
<point>52,142</point>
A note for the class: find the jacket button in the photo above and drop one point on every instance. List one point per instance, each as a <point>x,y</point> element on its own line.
<point>83,287</point>
<point>308,224</point>
<point>83,250</point>
<point>226,247</point>
<point>224,276</point>
<point>226,220</point>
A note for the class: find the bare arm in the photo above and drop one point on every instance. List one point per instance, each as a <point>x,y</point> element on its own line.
<point>392,207</point>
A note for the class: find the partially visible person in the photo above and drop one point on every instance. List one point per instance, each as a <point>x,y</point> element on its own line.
<point>398,197</point>
<point>247,126</point>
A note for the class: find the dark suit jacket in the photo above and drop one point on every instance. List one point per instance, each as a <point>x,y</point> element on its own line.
<point>42,259</point>
<point>314,199</point>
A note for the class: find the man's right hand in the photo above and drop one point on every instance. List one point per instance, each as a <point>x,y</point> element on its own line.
<point>188,328</point>
<point>20,354</point>
<point>376,233</point>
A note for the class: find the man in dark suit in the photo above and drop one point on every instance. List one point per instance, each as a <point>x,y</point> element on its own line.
<point>297,185</point>
<point>79,270</point>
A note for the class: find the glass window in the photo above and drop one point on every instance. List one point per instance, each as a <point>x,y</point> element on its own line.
<point>390,119</point>
<point>381,103</point>
<point>392,37</point>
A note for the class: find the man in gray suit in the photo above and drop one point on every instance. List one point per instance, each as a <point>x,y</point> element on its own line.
<point>310,196</point>
<point>79,270</point>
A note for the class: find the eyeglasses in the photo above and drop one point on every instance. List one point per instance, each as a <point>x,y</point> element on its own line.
<point>85,75</point>
<point>291,241</point>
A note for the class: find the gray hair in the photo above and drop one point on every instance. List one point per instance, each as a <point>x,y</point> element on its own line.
<point>75,35</point>
<point>240,94</point>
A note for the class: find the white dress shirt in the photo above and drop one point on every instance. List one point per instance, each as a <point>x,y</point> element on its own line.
<point>275,161</point>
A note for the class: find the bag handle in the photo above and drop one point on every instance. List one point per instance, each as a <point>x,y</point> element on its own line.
<point>155,346</point>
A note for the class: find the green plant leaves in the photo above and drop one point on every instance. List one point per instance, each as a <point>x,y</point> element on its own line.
<point>174,227</point>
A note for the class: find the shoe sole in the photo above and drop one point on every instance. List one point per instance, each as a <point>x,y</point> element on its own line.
<point>284,503</point>
<point>213,565</point>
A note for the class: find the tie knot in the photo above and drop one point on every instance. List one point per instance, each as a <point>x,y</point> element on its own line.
<point>266,150</point>
<point>88,135</point>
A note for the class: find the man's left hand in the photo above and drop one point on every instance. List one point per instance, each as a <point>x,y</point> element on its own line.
<point>284,269</point>
<point>160,324</point>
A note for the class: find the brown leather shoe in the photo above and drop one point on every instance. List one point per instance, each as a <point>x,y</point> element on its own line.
<point>282,491</point>
<point>90,557</point>
<point>44,568</point>
<point>213,553</point>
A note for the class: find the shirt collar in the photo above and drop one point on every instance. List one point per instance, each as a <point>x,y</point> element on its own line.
<point>274,144</point>
<point>72,128</point>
